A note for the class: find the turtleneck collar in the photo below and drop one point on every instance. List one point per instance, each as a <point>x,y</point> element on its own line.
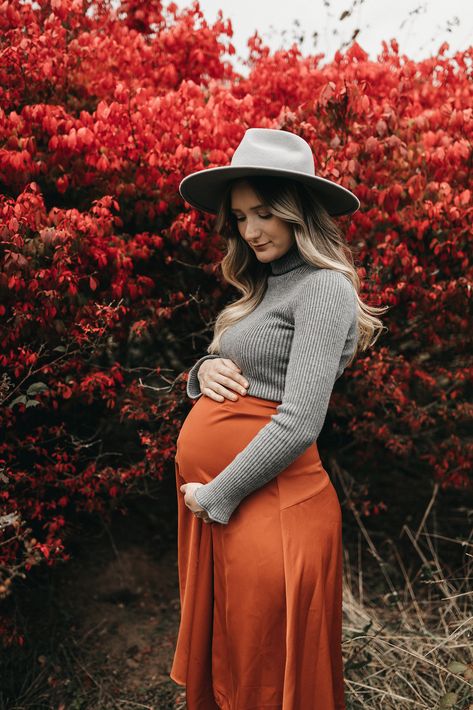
<point>288,261</point>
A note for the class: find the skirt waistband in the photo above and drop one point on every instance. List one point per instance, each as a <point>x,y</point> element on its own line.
<point>251,401</point>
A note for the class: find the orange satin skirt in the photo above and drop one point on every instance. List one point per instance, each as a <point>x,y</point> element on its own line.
<point>260,597</point>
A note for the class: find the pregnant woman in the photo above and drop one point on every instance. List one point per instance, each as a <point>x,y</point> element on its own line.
<point>259,521</point>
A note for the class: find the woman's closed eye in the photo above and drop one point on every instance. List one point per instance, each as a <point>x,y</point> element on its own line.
<point>263,216</point>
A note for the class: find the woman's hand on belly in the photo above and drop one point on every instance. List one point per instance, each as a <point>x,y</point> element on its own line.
<point>188,490</point>
<point>220,378</point>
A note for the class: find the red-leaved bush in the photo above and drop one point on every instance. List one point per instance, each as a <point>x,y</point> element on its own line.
<point>108,281</point>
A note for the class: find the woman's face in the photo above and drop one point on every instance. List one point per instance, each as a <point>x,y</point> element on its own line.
<point>257,226</point>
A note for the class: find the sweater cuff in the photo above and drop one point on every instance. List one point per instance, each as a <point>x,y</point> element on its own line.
<point>218,513</point>
<point>193,384</point>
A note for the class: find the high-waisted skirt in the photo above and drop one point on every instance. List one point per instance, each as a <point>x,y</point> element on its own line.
<point>261,596</point>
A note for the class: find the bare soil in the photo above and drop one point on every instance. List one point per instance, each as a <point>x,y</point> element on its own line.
<point>101,628</point>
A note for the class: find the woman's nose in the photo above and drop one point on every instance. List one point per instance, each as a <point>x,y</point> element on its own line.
<point>252,231</point>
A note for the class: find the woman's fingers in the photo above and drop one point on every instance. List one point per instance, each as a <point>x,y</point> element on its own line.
<point>198,513</point>
<point>234,376</point>
<point>220,380</point>
<point>218,392</point>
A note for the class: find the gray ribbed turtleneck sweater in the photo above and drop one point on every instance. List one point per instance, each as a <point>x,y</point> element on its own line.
<point>291,348</point>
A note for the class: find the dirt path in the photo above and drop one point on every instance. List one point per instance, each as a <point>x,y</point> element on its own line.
<point>124,626</point>
<point>102,627</point>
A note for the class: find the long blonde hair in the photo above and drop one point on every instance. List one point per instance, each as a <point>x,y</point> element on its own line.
<point>320,242</point>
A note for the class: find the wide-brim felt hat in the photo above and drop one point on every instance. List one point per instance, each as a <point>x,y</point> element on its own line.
<point>267,151</point>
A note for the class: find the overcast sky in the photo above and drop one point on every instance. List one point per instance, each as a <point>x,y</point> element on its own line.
<point>419,27</point>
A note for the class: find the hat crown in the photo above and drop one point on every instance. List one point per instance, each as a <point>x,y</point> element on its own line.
<point>274,148</point>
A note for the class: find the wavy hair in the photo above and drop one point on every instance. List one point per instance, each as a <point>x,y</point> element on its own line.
<point>320,242</point>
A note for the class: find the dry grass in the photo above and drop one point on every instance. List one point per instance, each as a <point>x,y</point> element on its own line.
<point>410,645</point>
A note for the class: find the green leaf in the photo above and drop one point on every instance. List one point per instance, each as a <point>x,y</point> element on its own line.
<point>448,701</point>
<point>21,399</point>
<point>36,387</point>
<point>457,667</point>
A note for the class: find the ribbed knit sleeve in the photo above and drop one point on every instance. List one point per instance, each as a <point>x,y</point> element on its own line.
<point>193,384</point>
<point>324,307</point>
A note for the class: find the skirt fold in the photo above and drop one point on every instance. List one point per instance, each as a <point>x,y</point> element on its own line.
<point>313,675</point>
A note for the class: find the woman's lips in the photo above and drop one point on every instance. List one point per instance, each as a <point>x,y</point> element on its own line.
<point>261,246</point>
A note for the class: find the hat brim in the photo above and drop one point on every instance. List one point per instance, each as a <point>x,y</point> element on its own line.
<point>204,189</point>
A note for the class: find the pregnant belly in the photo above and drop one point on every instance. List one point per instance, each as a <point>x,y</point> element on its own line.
<point>213,433</point>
